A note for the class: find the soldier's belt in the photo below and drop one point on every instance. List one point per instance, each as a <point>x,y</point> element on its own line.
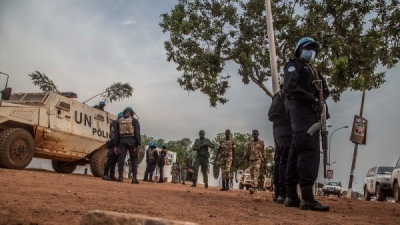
<point>127,135</point>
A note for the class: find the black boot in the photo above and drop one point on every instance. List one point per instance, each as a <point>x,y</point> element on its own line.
<point>183,183</point>
<point>309,203</point>
<point>282,195</point>
<point>120,179</point>
<point>105,177</point>
<point>145,177</point>
<point>194,184</point>
<point>206,185</point>
<point>223,186</point>
<point>113,178</point>
<point>134,180</point>
<point>292,198</point>
<point>227,185</point>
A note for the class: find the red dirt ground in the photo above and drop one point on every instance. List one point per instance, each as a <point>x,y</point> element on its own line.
<point>43,197</point>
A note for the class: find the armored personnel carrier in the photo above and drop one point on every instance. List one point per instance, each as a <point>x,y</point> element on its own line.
<point>52,126</point>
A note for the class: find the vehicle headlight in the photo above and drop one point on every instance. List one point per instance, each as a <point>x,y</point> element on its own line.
<point>385,179</point>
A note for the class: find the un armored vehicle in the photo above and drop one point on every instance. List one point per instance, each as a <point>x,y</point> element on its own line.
<point>377,183</point>
<point>52,126</point>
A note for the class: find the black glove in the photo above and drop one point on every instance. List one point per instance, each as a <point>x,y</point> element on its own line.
<point>317,106</point>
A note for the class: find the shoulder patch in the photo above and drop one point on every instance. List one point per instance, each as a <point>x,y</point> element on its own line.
<point>291,69</point>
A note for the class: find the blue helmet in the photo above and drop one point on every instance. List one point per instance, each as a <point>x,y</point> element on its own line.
<point>102,103</point>
<point>164,145</point>
<point>303,42</point>
<point>130,109</point>
<point>120,115</point>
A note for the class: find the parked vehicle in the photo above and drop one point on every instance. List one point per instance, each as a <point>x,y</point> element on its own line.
<point>394,181</point>
<point>333,188</point>
<point>377,183</point>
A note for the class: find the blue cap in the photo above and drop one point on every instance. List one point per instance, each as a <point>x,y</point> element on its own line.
<point>164,145</point>
<point>102,103</point>
<point>120,115</point>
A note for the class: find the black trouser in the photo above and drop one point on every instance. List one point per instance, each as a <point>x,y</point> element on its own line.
<point>161,171</point>
<point>282,150</point>
<point>150,167</point>
<point>111,163</point>
<point>304,158</point>
<point>127,144</point>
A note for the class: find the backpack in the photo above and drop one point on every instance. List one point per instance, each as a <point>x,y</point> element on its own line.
<point>277,108</point>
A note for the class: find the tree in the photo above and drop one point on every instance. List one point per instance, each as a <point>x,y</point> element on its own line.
<point>116,92</point>
<point>206,35</point>
<point>180,147</point>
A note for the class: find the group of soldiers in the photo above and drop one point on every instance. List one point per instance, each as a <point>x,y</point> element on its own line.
<point>294,109</point>
<point>179,173</point>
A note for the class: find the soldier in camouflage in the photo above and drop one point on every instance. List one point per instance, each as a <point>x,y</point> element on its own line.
<point>173,173</point>
<point>226,155</point>
<point>255,155</point>
<point>183,172</point>
<point>201,146</point>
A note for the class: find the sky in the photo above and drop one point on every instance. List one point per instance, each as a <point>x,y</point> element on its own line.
<point>85,46</point>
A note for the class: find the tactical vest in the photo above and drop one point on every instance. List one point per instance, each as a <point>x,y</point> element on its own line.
<point>151,154</point>
<point>126,127</point>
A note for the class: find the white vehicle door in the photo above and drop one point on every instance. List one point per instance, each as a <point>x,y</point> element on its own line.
<point>239,175</point>
<point>372,180</point>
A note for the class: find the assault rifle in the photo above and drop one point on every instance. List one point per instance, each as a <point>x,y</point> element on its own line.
<point>321,125</point>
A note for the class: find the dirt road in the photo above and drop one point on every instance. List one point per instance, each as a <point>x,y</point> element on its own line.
<point>42,197</point>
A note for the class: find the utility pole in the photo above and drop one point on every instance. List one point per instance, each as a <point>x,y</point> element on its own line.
<point>353,164</point>
<point>272,53</point>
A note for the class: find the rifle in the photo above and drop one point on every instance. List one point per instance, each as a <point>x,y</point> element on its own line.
<point>321,125</point>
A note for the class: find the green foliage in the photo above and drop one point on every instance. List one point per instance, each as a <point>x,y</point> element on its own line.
<point>356,36</point>
<point>117,92</point>
<point>44,83</point>
<point>180,147</point>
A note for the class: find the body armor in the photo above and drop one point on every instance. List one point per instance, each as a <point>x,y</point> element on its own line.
<point>151,153</point>
<point>126,127</point>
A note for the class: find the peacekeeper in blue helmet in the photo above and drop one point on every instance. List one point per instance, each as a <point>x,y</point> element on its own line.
<point>112,158</point>
<point>151,161</point>
<point>161,162</point>
<point>127,139</point>
<point>304,108</point>
<point>101,105</point>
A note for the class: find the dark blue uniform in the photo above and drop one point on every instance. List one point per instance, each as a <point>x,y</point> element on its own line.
<point>160,164</point>
<point>127,139</point>
<point>112,158</point>
<point>304,157</point>
<point>282,131</point>
<point>151,161</point>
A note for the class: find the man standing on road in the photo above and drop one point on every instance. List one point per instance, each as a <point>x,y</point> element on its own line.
<point>112,158</point>
<point>161,162</point>
<point>128,140</point>
<point>255,155</point>
<point>201,146</point>
<point>282,132</point>
<point>304,107</point>
<point>151,161</point>
<point>183,172</point>
<point>226,155</point>
<point>173,173</point>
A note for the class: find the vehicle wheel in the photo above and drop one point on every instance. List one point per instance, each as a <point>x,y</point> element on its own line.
<point>16,148</point>
<point>380,196</point>
<point>339,195</point>
<point>396,193</point>
<point>367,195</point>
<point>97,162</point>
<point>241,186</point>
<point>63,167</point>
<point>248,187</point>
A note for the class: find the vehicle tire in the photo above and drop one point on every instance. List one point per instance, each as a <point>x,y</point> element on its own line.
<point>97,162</point>
<point>241,186</point>
<point>396,193</point>
<point>339,195</point>
<point>380,196</point>
<point>16,148</point>
<point>248,187</point>
<point>367,195</point>
<point>63,167</point>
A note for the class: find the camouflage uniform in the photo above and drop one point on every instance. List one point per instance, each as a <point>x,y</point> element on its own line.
<point>201,146</point>
<point>183,172</point>
<point>173,173</point>
<point>255,154</point>
<point>226,157</point>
